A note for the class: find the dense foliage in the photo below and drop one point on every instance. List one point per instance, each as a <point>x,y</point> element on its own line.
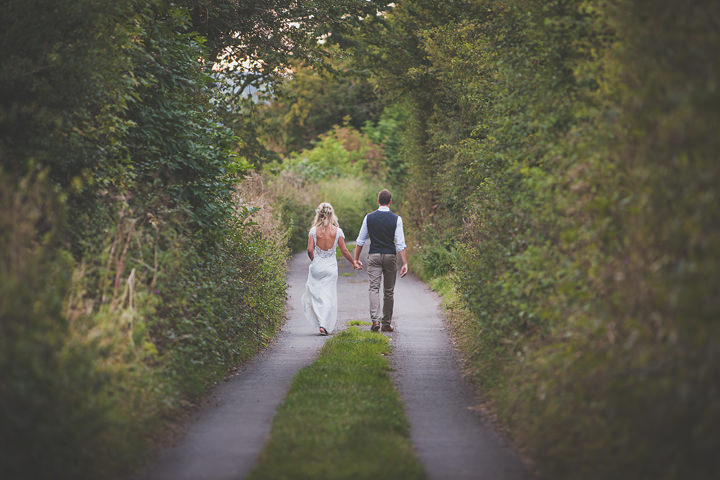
<point>562,174</point>
<point>332,144</point>
<point>554,162</point>
<point>345,167</point>
<point>135,268</point>
<point>309,103</point>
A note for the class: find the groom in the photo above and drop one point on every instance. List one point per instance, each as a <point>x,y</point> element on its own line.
<point>387,241</point>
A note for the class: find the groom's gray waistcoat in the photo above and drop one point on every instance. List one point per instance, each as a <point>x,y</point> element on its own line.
<point>381,229</point>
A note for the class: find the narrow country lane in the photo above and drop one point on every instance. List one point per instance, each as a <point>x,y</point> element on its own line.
<point>451,441</point>
<point>228,434</point>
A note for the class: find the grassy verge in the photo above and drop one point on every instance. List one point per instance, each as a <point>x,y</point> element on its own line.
<point>342,418</point>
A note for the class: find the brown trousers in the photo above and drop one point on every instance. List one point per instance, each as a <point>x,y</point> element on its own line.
<point>382,267</point>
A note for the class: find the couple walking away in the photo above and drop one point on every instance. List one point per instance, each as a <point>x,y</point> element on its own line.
<point>387,241</point>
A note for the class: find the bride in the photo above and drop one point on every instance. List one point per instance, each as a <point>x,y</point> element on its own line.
<point>320,298</point>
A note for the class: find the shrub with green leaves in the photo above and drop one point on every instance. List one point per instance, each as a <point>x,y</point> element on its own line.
<point>564,152</point>
<point>344,168</point>
<point>131,278</point>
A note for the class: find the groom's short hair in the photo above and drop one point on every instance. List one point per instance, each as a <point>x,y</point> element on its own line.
<point>384,197</point>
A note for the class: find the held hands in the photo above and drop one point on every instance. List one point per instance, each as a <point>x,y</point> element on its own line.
<point>357,265</point>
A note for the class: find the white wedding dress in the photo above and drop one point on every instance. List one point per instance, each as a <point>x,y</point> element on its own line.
<point>320,297</point>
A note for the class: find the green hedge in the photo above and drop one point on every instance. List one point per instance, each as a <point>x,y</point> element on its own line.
<point>562,159</point>
<point>130,279</point>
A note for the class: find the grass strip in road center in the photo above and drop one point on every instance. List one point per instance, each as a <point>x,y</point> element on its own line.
<point>342,418</point>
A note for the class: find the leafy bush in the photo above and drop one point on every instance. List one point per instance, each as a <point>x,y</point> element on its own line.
<point>49,383</point>
<point>435,260</point>
<point>569,147</point>
<point>352,199</point>
<point>388,133</point>
<point>343,151</point>
<point>344,168</point>
<point>113,343</point>
<point>312,101</point>
<point>132,278</point>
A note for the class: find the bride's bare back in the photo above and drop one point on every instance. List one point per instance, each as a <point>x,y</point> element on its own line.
<point>326,237</point>
<point>326,233</point>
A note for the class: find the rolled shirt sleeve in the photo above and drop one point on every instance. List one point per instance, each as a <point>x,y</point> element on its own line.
<point>363,235</point>
<point>399,236</point>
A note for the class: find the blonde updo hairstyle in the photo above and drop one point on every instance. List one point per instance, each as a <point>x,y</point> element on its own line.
<point>325,216</point>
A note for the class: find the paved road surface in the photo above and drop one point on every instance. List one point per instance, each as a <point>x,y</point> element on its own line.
<point>451,441</point>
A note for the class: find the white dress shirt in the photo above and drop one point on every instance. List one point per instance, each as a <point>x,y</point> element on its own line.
<point>399,234</point>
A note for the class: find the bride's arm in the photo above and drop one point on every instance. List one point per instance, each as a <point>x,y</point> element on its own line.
<point>345,253</point>
<point>311,247</point>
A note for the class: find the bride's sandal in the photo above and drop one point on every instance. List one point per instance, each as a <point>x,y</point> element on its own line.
<point>323,331</point>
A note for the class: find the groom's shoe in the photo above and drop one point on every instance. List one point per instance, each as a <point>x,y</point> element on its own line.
<point>375,326</point>
<point>387,328</point>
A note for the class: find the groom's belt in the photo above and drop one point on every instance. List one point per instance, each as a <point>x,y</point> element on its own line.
<point>382,250</point>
